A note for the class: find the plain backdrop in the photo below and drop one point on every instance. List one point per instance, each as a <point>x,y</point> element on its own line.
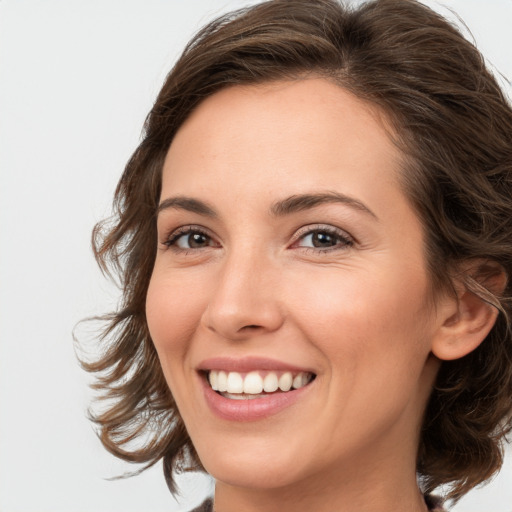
<point>77,78</point>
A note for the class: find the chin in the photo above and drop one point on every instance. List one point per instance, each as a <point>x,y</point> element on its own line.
<point>253,476</point>
<point>253,467</point>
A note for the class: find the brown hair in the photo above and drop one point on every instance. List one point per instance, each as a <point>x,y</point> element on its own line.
<point>455,130</point>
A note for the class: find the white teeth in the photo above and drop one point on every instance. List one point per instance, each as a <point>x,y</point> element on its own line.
<point>297,382</point>
<point>214,380</point>
<point>270,383</point>
<point>222,381</point>
<point>235,383</point>
<point>241,396</point>
<point>252,384</point>
<point>301,380</point>
<point>285,381</point>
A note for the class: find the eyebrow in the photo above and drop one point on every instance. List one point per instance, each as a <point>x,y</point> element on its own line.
<point>292,204</point>
<point>301,202</point>
<point>187,203</point>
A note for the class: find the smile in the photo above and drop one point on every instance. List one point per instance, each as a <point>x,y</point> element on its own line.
<point>253,388</point>
<point>256,384</point>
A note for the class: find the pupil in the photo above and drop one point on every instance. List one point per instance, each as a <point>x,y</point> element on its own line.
<point>196,240</point>
<point>322,239</point>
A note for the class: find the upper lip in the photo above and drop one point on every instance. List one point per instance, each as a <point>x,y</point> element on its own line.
<point>248,364</point>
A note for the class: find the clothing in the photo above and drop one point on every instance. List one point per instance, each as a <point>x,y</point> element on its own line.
<point>434,505</point>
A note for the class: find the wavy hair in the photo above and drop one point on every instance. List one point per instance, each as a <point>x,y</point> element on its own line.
<point>454,128</point>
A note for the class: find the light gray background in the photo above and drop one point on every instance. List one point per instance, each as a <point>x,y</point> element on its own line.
<point>77,78</point>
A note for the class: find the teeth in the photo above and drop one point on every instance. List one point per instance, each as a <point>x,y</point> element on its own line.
<point>270,383</point>
<point>234,384</point>
<point>253,383</point>
<point>214,380</point>
<point>298,381</point>
<point>222,381</point>
<point>285,381</point>
<point>241,396</point>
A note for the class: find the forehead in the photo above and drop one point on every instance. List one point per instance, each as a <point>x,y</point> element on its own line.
<point>287,136</point>
<point>307,119</point>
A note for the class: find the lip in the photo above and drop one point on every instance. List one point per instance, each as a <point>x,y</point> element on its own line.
<point>256,408</point>
<point>250,410</point>
<point>248,364</point>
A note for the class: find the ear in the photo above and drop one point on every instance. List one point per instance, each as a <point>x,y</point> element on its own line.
<point>467,316</point>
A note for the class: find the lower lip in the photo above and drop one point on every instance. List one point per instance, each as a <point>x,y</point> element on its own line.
<point>250,409</point>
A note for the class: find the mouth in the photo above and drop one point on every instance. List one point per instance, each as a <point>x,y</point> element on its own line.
<point>257,383</point>
<point>253,388</point>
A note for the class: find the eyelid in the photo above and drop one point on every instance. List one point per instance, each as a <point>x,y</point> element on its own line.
<point>328,228</point>
<point>172,235</point>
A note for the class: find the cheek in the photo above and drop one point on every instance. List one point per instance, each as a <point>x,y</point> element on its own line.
<point>354,316</point>
<point>173,312</point>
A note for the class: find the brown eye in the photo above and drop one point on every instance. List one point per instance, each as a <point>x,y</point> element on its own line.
<point>197,240</point>
<point>187,239</point>
<point>193,240</point>
<point>324,239</point>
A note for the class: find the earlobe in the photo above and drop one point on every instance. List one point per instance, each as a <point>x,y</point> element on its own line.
<point>467,317</point>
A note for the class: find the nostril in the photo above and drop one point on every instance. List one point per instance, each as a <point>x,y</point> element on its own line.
<point>251,327</point>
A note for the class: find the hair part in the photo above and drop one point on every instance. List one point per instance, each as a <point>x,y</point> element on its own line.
<point>453,125</point>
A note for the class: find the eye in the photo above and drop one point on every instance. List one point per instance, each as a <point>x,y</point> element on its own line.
<point>192,241</point>
<point>189,238</point>
<point>323,238</point>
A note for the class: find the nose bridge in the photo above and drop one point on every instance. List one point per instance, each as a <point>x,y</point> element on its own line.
<point>245,296</point>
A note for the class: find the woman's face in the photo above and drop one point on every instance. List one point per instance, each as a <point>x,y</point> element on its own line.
<point>288,254</point>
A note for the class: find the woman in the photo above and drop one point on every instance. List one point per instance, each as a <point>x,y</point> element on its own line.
<point>314,239</point>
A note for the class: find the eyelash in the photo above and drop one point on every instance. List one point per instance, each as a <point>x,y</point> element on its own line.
<point>344,241</point>
<point>172,239</point>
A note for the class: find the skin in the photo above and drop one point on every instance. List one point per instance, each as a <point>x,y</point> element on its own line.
<point>359,314</point>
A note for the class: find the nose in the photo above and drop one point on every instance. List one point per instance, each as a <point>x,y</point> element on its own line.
<point>244,300</point>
